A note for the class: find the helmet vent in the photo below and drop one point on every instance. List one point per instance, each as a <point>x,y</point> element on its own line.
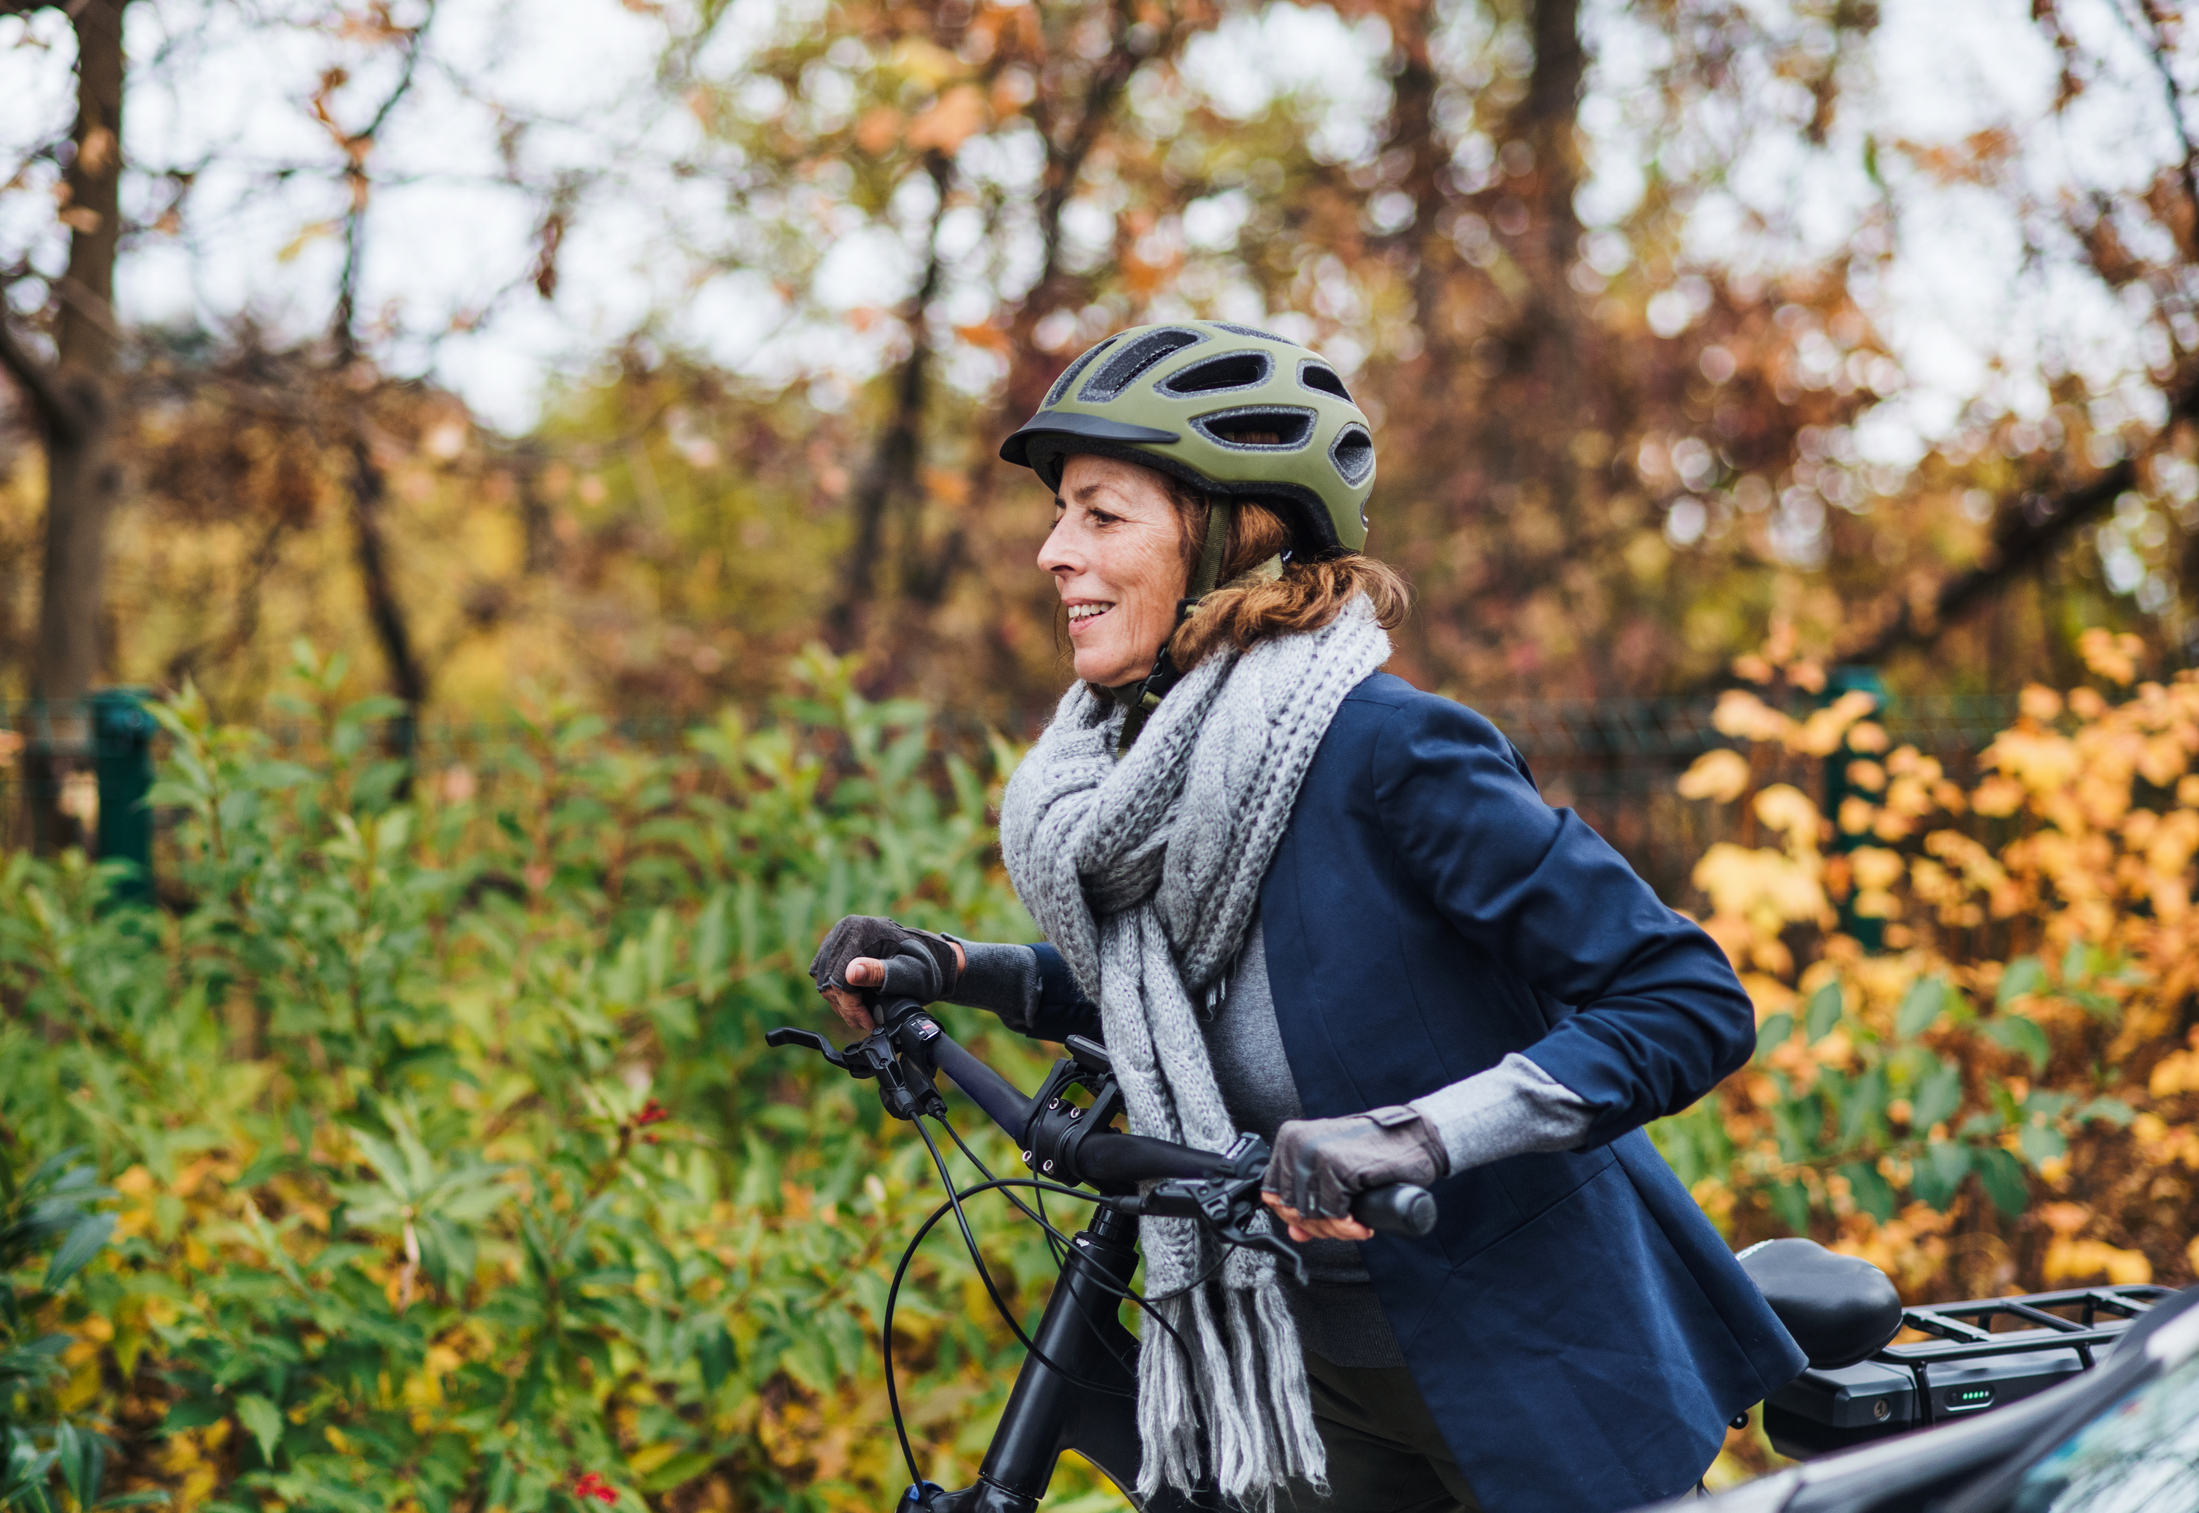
<point>1223,325</point>
<point>1315,376</point>
<point>1353,454</point>
<point>1238,370</point>
<point>1115,375</point>
<point>1069,374</point>
<point>1260,430</point>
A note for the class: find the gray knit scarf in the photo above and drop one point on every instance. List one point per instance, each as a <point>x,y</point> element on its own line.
<point>1144,873</point>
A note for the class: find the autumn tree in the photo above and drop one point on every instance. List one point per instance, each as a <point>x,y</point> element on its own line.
<point>62,350</point>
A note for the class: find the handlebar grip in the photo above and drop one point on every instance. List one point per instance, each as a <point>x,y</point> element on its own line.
<point>1002,1101</point>
<point>1109,1157</point>
<point>1399,1209</point>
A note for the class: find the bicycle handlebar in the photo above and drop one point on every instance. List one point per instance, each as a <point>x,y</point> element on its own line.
<point>1107,1158</point>
<point>995,1094</point>
<point>1220,1188</point>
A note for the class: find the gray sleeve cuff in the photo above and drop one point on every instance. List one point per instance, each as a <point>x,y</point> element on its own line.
<point>1511,1109</point>
<point>1002,978</point>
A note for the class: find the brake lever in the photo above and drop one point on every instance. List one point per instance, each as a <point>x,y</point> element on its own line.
<point>1230,1205</point>
<point>787,1034</point>
<point>1268,1240</point>
<point>904,1085</point>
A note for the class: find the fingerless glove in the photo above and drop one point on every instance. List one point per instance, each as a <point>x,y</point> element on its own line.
<point>1319,1164</point>
<point>875,936</point>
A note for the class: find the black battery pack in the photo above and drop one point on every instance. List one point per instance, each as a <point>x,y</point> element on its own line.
<point>1979,1355</point>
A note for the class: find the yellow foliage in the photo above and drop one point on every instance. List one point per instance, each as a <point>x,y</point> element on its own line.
<point>1868,776</point>
<point>1745,717</point>
<point>1786,809</point>
<point>1856,816</point>
<point>2162,1143</point>
<point>1767,888</point>
<point>2110,656</point>
<point>2039,760</point>
<point>1823,732</point>
<point>1911,1247</point>
<point>1722,775</point>
<point>2071,1260</point>
<point>1768,994</point>
<point>2177,1072</point>
<point>2039,927</point>
<point>1875,867</point>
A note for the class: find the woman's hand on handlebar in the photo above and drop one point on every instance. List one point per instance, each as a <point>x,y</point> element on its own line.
<point>848,961</point>
<point>1319,1165</point>
<point>1303,1228</point>
<point>863,972</point>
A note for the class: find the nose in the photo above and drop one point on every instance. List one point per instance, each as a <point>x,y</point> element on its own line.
<point>1055,554</point>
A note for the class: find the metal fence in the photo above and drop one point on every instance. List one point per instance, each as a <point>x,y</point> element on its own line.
<point>1614,761</point>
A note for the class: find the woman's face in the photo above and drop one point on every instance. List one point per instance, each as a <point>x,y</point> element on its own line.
<point>1117,559</point>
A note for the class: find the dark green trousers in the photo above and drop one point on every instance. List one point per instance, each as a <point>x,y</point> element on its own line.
<point>1385,1453</point>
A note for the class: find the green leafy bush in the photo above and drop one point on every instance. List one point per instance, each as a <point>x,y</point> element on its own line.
<point>451,1164</point>
<point>41,1442</point>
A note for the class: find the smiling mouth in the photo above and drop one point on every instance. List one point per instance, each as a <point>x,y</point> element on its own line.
<point>1082,614</point>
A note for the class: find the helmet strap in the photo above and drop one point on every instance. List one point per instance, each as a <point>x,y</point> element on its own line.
<point>1220,513</point>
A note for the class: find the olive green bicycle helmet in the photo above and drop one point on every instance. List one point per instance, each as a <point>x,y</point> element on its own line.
<point>1236,413</point>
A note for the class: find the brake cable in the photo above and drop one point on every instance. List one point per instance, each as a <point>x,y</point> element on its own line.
<point>1002,1185</point>
<point>1057,1244</point>
<point>1000,1305</point>
<point>969,1240</point>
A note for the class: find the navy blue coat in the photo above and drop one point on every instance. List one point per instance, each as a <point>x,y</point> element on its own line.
<point>1576,1325</point>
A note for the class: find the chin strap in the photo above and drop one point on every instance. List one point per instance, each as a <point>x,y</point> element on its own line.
<point>1145,695</point>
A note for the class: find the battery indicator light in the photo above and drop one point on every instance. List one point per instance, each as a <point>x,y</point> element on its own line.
<point>1959,1398</point>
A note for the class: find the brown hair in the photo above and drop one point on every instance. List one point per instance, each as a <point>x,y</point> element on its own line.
<point>1308,595</point>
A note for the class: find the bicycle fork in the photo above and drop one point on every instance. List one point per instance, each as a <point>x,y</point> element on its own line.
<point>1047,1412</point>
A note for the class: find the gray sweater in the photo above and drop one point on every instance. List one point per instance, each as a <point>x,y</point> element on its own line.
<point>1510,1109</point>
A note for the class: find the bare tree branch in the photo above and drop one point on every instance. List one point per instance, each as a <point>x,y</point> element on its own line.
<point>55,412</point>
<point>2027,535</point>
<point>356,146</point>
<point>2153,38</point>
<point>1065,161</point>
<point>892,469</point>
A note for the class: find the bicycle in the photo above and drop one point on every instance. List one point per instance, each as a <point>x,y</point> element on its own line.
<point>1078,1385</point>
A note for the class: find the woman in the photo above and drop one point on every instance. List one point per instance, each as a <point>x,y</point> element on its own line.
<point>1298,898</point>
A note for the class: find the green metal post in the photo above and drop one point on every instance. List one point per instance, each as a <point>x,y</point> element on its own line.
<point>122,755</point>
<point>1869,933</point>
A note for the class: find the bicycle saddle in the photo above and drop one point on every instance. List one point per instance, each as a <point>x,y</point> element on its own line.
<point>1839,1309</point>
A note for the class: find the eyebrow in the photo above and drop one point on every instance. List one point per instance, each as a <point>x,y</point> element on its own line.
<point>1084,495</point>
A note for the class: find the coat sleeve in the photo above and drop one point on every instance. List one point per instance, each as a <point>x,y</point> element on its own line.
<point>1658,1017</point>
<point>1062,1009</point>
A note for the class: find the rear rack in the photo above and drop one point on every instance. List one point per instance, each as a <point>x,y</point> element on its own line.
<point>1964,1330</point>
<point>1966,1367</point>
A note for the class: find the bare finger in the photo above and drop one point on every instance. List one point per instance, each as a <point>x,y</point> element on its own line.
<point>850,1009</point>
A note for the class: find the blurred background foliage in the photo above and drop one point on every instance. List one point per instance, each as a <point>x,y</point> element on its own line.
<point>448,1165</point>
<point>1632,403</point>
<point>445,1165</point>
